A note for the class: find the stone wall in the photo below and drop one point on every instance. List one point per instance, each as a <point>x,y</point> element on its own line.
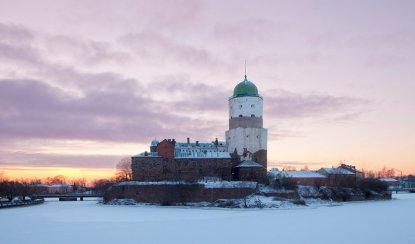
<point>258,174</point>
<point>177,169</point>
<point>245,122</point>
<point>174,193</point>
<point>260,157</point>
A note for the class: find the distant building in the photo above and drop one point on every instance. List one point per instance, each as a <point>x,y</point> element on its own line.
<point>351,168</point>
<point>310,178</point>
<point>339,176</point>
<point>59,188</point>
<point>391,183</point>
<point>407,182</point>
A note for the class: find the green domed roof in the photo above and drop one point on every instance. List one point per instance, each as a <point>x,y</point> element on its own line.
<point>245,88</point>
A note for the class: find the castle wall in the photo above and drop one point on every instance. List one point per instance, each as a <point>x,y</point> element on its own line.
<point>260,157</point>
<point>175,193</point>
<point>187,169</point>
<point>251,174</point>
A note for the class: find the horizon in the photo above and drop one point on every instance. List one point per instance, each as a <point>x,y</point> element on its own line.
<point>84,85</point>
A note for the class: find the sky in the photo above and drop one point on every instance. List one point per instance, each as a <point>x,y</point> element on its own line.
<point>86,83</point>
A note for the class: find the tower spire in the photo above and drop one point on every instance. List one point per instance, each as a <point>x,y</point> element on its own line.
<point>245,70</point>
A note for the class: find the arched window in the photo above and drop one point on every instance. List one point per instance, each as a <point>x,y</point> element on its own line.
<point>240,115</point>
<point>252,115</point>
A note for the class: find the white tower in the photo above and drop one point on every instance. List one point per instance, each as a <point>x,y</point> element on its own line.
<point>246,133</point>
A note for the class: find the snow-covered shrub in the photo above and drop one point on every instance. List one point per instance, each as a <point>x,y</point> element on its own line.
<point>258,203</point>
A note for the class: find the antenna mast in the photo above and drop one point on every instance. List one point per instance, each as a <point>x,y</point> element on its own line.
<point>245,70</point>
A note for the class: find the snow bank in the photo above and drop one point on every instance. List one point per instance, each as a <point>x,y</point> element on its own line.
<point>206,183</point>
<point>229,184</point>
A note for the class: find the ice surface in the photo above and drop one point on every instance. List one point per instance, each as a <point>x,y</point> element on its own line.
<point>88,222</point>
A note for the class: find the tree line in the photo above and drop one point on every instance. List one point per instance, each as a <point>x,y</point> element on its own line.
<point>11,188</point>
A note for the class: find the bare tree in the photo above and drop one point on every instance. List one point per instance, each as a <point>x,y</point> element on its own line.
<point>78,184</point>
<point>58,179</point>
<point>2,177</point>
<point>101,185</point>
<point>289,168</point>
<point>124,171</point>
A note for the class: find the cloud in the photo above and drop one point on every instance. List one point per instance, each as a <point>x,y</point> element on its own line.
<point>254,30</point>
<point>156,47</point>
<point>284,104</point>
<point>12,33</point>
<point>87,52</point>
<point>33,109</point>
<point>19,54</point>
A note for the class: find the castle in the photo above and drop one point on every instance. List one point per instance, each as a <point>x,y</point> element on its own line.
<point>242,157</point>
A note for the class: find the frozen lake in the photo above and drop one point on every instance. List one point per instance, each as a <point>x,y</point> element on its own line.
<point>88,222</point>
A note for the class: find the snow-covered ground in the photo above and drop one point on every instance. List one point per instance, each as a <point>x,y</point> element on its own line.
<point>88,222</point>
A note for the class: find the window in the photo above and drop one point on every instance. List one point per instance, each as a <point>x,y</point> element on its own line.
<point>240,106</point>
<point>240,115</point>
<point>252,105</point>
<point>252,115</point>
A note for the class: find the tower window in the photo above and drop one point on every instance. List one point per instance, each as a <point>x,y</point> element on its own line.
<point>240,115</point>
<point>252,115</point>
<point>252,105</point>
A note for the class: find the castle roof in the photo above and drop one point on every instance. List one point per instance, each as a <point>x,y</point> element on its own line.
<point>249,164</point>
<point>245,88</point>
<point>302,174</point>
<point>336,171</point>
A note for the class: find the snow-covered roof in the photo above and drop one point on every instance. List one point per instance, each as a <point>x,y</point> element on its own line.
<point>274,172</point>
<point>60,185</point>
<point>337,171</point>
<point>202,155</point>
<point>249,164</point>
<point>40,185</point>
<point>388,180</point>
<point>207,145</point>
<point>302,174</point>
